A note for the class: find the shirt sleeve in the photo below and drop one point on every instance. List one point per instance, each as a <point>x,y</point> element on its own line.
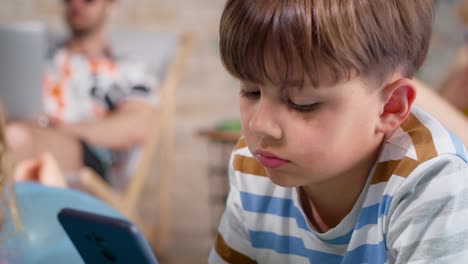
<point>232,244</point>
<point>427,221</point>
<point>140,82</point>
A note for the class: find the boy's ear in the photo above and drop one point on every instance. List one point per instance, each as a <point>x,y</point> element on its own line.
<point>398,97</point>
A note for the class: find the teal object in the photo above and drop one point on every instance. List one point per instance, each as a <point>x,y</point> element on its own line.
<point>42,239</point>
<point>229,125</point>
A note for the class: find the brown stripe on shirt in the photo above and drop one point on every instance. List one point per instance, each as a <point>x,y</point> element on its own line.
<point>402,168</point>
<point>248,165</point>
<point>228,254</point>
<point>421,137</point>
<point>424,146</point>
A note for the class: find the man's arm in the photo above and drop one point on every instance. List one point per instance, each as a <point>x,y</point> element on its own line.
<point>129,125</point>
<point>441,109</point>
<point>454,86</point>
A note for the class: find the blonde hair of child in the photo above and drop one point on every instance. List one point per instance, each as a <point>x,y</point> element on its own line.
<point>7,197</point>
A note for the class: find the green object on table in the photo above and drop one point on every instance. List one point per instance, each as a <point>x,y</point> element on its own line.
<point>229,125</point>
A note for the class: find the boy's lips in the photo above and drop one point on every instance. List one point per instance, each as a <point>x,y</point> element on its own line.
<point>270,160</point>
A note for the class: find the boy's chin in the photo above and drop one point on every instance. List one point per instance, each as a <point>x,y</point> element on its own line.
<point>283,180</point>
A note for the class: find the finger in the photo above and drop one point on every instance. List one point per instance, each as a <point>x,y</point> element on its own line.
<point>50,173</point>
<point>27,170</point>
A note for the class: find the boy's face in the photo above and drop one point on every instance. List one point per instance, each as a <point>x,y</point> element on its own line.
<point>309,135</point>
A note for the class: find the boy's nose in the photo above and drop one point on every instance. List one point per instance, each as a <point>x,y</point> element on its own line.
<point>264,123</point>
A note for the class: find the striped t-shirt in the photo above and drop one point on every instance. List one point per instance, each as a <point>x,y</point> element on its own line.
<point>413,208</point>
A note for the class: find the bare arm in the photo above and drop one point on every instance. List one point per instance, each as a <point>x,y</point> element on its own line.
<point>129,125</point>
<point>454,88</point>
<point>447,114</point>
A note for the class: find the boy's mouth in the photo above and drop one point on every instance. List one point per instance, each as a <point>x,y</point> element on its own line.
<point>270,160</point>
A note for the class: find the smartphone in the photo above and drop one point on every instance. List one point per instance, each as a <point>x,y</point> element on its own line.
<point>104,239</point>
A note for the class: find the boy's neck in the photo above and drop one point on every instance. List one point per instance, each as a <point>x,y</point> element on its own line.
<point>328,203</point>
<point>326,210</point>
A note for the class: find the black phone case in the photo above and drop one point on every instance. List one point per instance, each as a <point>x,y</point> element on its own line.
<point>104,239</point>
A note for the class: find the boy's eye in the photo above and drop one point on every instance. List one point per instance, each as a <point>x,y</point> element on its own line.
<point>250,94</point>
<point>302,108</point>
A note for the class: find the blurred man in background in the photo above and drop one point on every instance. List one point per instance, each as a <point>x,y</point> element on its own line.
<point>97,103</point>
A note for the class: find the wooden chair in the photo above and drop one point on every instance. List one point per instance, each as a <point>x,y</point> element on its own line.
<point>128,199</point>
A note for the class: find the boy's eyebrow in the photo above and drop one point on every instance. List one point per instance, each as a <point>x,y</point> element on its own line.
<point>244,82</point>
<point>300,84</point>
<point>295,84</point>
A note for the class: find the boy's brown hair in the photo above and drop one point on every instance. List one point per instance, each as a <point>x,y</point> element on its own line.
<point>315,38</point>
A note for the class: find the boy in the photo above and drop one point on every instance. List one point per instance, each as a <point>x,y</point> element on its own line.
<point>336,166</point>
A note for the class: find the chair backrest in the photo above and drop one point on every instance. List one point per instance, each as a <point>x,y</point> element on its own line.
<point>156,50</point>
<point>161,139</point>
<point>162,135</point>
